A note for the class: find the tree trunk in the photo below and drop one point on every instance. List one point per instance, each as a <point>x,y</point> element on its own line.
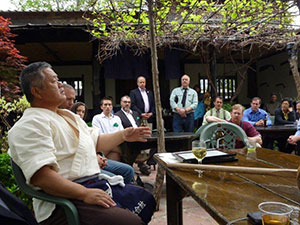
<point>159,120</point>
<point>293,60</point>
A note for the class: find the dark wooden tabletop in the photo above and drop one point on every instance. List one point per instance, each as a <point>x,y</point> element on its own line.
<point>226,196</point>
<point>277,129</point>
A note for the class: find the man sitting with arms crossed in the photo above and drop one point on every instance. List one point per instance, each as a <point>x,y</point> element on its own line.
<point>236,118</point>
<point>217,111</point>
<point>53,148</point>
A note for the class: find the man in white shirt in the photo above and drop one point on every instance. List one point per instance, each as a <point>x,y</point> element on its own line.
<point>53,147</point>
<point>108,123</point>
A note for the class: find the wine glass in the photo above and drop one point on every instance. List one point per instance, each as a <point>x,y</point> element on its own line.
<point>199,150</point>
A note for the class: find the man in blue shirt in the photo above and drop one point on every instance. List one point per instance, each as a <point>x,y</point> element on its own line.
<point>255,115</point>
<point>183,101</point>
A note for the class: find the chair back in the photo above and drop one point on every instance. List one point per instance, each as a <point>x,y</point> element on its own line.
<point>199,131</point>
<point>68,206</point>
<point>223,135</point>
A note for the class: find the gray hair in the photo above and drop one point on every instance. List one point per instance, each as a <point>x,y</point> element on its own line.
<point>32,76</point>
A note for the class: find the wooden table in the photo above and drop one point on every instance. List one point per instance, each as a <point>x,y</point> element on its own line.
<point>174,142</point>
<point>227,197</point>
<point>269,134</point>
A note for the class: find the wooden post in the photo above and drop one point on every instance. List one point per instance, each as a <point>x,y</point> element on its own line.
<point>159,120</point>
<point>292,49</point>
<point>213,72</point>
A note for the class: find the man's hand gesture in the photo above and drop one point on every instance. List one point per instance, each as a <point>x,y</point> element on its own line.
<point>131,134</point>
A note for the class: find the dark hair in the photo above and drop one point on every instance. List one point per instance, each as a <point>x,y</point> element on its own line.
<point>219,97</point>
<point>105,98</point>
<point>76,105</point>
<point>287,100</point>
<point>32,76</point>
<point>273,94</point>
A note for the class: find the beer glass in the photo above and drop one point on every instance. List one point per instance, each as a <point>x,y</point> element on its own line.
<point>275,213</point>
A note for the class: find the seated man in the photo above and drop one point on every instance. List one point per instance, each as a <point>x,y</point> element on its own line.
<point>108,166</point>
<point>54,148</point>
<point>255,115</point>
<point>294,139</point>
<point>236,118</point>
<point>217,111</point>
<point>272,105</point>
<point>108,123</point>
<point>131,118</point>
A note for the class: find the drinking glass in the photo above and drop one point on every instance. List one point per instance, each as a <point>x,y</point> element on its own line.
<point>275,213</point>
<point>199,150</point>
<point>251,150</point>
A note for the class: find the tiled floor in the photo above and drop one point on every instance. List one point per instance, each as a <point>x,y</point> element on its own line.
<point>193,214</point>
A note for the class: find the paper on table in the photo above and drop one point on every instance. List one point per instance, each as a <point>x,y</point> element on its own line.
<point>168,157</point>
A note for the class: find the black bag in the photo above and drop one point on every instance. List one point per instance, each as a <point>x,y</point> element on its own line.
<point>13,211</point>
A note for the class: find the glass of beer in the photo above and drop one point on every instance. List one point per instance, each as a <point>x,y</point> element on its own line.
<point>275,213</point>
<point>199,150</point>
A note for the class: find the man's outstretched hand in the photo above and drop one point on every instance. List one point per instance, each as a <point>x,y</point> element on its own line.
<point>137,134</point>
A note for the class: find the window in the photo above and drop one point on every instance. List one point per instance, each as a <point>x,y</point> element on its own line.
<point>226,86</point>
<point>77,84</point>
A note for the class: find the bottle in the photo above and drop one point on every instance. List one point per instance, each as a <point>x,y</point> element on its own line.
<point>265,121</point>
<point>220,138</point>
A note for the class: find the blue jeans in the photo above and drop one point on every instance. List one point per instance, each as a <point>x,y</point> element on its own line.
<point>183,123</point>
<point>117,168</point>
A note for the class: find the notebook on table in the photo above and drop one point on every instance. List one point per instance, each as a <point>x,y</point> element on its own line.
<point>212,156</point>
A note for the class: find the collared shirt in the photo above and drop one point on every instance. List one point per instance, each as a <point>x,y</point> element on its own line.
<point>130,117</point>
<point>63,141</point>
<point>107,125</point>
<point>145,99</point>
<point>177,95</point>
<point>252,117</point>
<point>223,114</point>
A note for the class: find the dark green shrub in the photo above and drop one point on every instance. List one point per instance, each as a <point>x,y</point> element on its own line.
<point>8,180</point>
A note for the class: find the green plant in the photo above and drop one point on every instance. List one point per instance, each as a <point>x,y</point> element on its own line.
<point>10,112</point>
<point>227,106</point>
<point>8,180</point>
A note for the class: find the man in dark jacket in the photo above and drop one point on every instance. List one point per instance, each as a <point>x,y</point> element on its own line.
<point>142,100</point>
<point>131,118</point>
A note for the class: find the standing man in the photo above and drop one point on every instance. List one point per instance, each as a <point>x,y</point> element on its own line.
<point>255,115</point>
<point>108,123</point>
<point>272,105</point>
<point>183,101</point>
<point>142,100</point>
<point>217,111</point>
<point>70,95</point>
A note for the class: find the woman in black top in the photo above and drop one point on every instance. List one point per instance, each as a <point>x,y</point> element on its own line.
<point>285,114</point>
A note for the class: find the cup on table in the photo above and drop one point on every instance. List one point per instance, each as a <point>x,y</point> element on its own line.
<point>275,213</point>
<point>251,150</point>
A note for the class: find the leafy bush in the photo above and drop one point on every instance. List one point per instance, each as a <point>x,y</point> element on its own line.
<point>227,106</point>
<point>8,180</point>
<point>10,112</point>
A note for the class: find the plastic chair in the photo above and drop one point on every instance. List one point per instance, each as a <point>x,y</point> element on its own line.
<point>199,131</point>
<point>68,206</point>
<point>228,133</point>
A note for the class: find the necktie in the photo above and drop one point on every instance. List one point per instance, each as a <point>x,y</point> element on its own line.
<point>218,113</point>
<point>184,97</point>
